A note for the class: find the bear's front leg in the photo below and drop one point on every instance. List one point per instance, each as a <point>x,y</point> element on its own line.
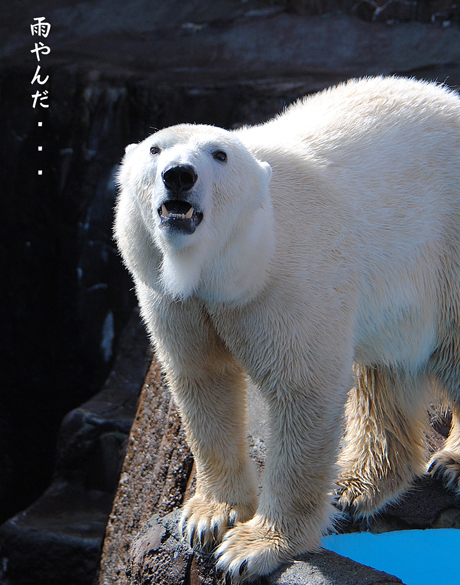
<point>295,508</point>
<point>213,409</point>
<point>214,413</point>
<point>209,388</point>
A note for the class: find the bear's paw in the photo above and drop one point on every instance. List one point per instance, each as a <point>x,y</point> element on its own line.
<point>358,497</point>
<point>253,549</point>
<point>204,522</point>
<point>445,465</point>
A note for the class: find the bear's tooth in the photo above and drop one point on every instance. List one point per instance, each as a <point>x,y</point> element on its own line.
<point>189,213</point>
<point>164,211</point>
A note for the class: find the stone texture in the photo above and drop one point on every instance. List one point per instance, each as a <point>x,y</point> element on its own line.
<point>203,43</point>
<point>328,568</point>
<point>58,539</point>
<point>159,557</point>
<point>154,478</point>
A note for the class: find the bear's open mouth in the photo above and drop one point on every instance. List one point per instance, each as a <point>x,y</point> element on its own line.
<point>179,216</point>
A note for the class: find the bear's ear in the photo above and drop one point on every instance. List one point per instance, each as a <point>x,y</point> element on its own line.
<point>267,169</point>
<point>129,148</point>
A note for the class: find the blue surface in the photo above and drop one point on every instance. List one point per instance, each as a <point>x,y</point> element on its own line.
<point>417,557</point>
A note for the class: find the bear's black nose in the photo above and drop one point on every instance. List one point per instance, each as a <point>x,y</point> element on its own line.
<point>179,178</point>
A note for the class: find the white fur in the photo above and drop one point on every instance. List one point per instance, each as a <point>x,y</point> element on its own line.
<point>330,236</point>
<point>212,262</point>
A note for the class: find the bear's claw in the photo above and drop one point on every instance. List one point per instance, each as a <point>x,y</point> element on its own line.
<point>204,523</point>
<point>252,549</point>
<point>445,466</point>
<point>355,498</point>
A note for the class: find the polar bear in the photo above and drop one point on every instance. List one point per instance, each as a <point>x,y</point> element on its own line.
<point>318,255</point>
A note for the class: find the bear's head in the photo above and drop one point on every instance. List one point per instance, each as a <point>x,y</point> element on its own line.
<point>203,199</point>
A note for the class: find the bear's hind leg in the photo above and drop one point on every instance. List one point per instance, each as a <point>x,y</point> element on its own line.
<point>384,448</point>
<point>445,364</point>
<point>445,464</point>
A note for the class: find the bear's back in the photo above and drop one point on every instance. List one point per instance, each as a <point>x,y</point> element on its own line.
<point>358,110</point>
<point>371,168</point>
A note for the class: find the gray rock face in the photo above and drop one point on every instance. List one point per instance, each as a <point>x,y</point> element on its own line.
<point>155,476</point>
<point>158,555</point>
<point>58,539</point>
<point>204,42</point>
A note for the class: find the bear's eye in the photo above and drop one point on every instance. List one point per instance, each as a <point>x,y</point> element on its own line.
<point>220,155</point>
<point>155,150</point>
